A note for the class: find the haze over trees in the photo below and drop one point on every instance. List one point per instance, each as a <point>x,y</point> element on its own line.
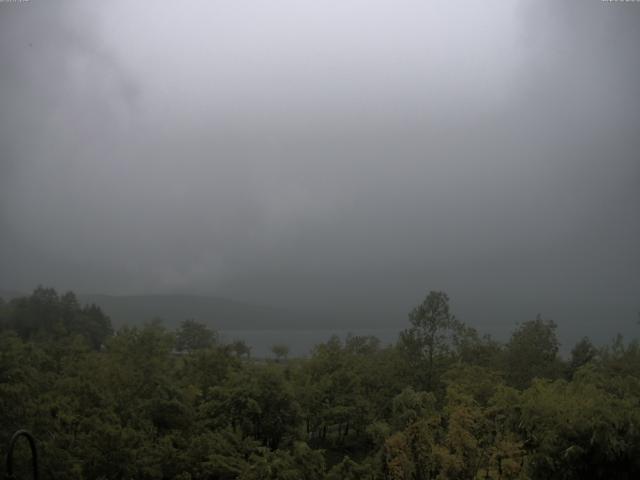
<point>280,351</point>
<point>231,187</point>
<point>443,402</point>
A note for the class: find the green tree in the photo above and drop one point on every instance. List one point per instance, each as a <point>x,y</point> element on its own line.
<point>581,354</point>
<point>192,335</point>
<point>532,352</point>
<point>580,429</point>
<point>301,463</point>
<point>429,341</point>
<point>280,351</point>
<point>45,315</point>
<point>240,348</point>
<point>347,469</point>
<point>261,403</point>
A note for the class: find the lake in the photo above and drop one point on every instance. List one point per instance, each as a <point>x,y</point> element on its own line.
<point>300,342</point>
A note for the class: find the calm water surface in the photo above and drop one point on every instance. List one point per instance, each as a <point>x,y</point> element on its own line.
<point>300,342</point>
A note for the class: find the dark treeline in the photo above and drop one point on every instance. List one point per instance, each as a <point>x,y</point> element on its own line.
<point>442,403</point>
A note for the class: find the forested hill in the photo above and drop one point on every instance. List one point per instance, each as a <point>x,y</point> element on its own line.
<point>217,312</point>
<point>214,311</point>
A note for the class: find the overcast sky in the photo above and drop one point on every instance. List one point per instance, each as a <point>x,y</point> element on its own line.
<point>335,154</point>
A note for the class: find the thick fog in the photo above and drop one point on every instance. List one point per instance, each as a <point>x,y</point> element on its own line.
<point>345,156</point>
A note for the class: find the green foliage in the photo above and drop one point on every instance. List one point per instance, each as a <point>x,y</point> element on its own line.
<point>347,469</point>
<point>532,353</point>
<point>300,463</point>
<point>240,349</point>
<point>581,354</point>
<point>429,341</point>
<point>280,351</point>
<point>150,403</point>
<point>579,430</point>
<point>192,335</point>
<point>46,315</point>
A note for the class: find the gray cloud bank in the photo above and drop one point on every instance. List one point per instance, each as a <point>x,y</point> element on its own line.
<point>339,155</point>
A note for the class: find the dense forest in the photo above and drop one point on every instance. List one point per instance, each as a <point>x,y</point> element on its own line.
<point>443,402</point>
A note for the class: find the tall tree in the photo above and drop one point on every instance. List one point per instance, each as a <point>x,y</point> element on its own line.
<point>532,352</point>
<point>582,353</point>
<point>429,340</point>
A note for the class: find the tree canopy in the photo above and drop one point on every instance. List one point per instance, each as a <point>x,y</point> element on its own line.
<point>150,403</point>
